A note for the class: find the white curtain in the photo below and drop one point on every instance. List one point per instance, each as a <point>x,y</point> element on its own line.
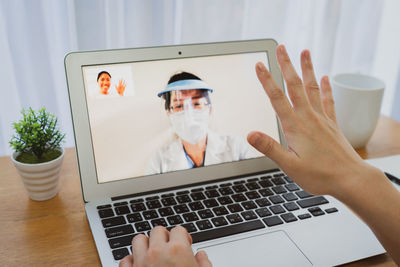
<point>343,36</point>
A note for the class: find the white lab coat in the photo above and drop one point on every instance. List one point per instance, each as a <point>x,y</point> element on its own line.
<point>220,148</point>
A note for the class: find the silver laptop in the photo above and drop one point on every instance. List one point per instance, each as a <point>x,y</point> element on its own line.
<point>160,137</point>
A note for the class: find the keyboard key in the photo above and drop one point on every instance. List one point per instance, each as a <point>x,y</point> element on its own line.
<point>291,206</point>
<point>220,211</point>
<point>266,177</point>
<point>248,215</point>
<point>225,191</point>
<point>277,209</point>
<point>219,221</point>
<point>114,221</point>
<point>263,212</point>
<point>279,189</point>
<point>278,181</point>
<point>210,203</point>
<point>157,222</point>
<point>288,179</point>
<point>212,193</point>
<point>292,187</point>
<point>198,196</point>
<point>227,231</point>
<point>184,192</point>
<point>167,195</point>
<point>225,185</point>
<point>153,204</point>
<point>225,200</point>
<point>235,208</point>
<point>304,216</point>
<point>124,203</point>
<point>119,230</point>
<point>265,183</point>
<point>104,206</point>
<point>316,211</point>
<point>278,174</point>
<point>263,202</point>
<point>238,198</point>
<point>142,226</point>
<point>164,212</point>
<point>106,213</point>
<point>138,200</point>
<point>205,214</point>
<point>190,227</point>
<point>122,241</point>
<point>288,217</point>
<point>173,220</point>
<point>134,217</point>
<point>303,194</point>
<point>196,206</point>
<point>152,198</point>
<point>136,207</point>
<point>150,214</point>
<point>120,210</point>
<point>265,192</point>
<point>276,199</point>
<point>190,217</point>
<point>181,208</point>
<point>211,187</point>
<point>272,221</point>
<point>239,188</point>
<point>252,195</point>
<point>290,196</point>
<point>120,253</point>
<point>239,182</point>
<point>253,179</point>
<point>203,225</point>
<point>183,199</point>
<point>331,210</point>
<point>248,205</point>
<point>315,201</point>
<point>168,201</point>
<point>234,218</point>
<point>252,186</point>
<point>199,189</point>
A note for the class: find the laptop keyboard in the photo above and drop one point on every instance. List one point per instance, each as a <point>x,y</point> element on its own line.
<point>212,211</point>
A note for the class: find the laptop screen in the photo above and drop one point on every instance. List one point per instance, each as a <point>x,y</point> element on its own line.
<point>154,117</point>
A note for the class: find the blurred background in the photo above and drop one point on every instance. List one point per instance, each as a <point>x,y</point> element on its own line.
<point>342,35</point>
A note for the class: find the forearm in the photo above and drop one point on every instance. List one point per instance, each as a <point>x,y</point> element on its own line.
<point>376,201</point>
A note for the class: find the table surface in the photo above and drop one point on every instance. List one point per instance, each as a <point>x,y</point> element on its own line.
<point>56,232</point>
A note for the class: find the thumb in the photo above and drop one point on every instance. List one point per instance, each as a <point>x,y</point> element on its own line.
<point>269,147</point>
<point>202,259</point>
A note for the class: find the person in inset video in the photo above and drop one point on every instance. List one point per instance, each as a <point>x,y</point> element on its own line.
<point>104,81</point>
<point>188,106</point>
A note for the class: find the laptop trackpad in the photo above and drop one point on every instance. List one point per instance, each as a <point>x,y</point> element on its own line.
<point>270,249</point>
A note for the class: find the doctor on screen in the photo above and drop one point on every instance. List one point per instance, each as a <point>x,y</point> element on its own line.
<point>188,106</point>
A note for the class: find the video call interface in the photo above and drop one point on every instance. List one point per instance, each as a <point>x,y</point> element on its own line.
<point>155,117</point>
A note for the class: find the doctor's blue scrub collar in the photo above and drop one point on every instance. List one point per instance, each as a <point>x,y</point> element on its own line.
<point>186,85</point>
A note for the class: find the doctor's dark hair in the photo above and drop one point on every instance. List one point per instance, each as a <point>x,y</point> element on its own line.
<point>102,72</point>
<point>179,77</point>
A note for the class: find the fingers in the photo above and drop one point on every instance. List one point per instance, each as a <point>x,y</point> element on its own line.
<point>270,148</point>
<point>327,98</point>
<point>310,83</point>
<point>276,95</point>
<point>158,234</point>
<point>179,234</point>
<point>126,262</point>
<point>140,245</point>
<point>202,259</point>
<point>294,84</point>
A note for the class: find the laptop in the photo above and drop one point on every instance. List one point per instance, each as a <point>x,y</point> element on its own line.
<point>160,136</point>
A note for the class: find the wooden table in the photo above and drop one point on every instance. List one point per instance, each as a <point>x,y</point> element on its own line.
<point>56,232</point>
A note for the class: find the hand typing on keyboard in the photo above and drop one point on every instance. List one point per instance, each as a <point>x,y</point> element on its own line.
<point>164,248</point>
<point>318,157</point>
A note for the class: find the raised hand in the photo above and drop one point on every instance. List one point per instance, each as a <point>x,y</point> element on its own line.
<point>121,87</point>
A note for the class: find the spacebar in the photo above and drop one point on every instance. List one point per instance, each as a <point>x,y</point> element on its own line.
<point>227,231</point>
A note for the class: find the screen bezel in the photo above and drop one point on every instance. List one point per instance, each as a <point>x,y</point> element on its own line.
<point>91,189</point>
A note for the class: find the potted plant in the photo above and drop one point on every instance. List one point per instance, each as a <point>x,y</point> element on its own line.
<point>38,155</point>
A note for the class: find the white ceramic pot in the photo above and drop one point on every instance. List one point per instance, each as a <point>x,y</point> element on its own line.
<point>41,180</point>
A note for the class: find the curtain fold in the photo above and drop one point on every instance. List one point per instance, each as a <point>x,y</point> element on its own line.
<point>36,35</point>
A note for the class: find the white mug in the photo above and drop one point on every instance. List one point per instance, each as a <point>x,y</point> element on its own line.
<point>358,101</point>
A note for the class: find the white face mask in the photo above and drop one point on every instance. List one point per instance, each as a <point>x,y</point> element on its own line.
<point>191,125</point>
